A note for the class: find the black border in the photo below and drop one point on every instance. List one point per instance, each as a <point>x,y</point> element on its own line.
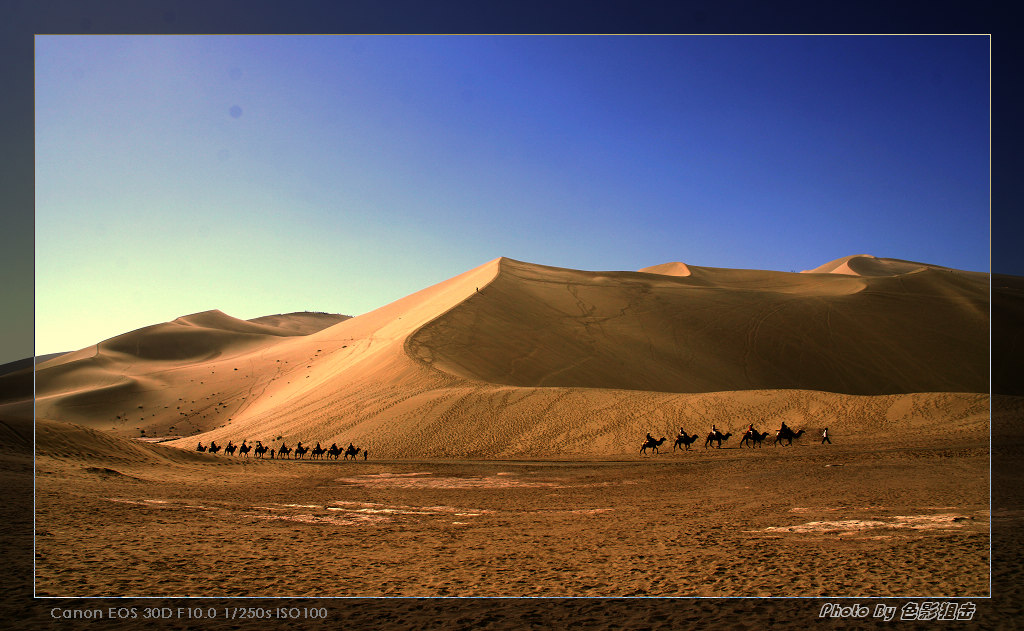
<point>20,20</point>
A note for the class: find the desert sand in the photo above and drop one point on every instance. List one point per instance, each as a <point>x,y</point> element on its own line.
<point>503,412</point>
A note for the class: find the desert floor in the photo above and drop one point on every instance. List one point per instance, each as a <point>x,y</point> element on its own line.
<point>861,519</point>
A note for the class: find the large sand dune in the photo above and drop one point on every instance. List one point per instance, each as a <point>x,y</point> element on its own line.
<point>514,359</point>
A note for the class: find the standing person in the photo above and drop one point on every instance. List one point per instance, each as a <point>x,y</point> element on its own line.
<point>824,437</point>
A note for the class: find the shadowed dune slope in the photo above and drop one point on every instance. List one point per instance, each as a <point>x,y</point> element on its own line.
<point>203,336</point>
<point>67,440</point>
<point>717,330</point>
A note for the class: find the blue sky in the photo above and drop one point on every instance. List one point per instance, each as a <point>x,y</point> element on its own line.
<point>268,174</point>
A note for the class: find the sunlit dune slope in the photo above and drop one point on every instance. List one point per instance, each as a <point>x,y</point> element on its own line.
<point>717,330</point>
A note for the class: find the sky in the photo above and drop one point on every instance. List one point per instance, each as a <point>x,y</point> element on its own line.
<point>270,174</point>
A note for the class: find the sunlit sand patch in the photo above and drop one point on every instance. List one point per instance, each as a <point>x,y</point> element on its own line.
<point>914,522</point>
<point>386,511</point>
<point>418,481</point>
<point>833,509</point>
<point>591,511</point>
<point>456,510</point>
<point>124,501</point>
<point>323,519</point>
<point>157,503</point>
<point>370,507</point>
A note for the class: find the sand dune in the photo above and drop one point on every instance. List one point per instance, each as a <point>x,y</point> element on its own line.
<point>716,330</point>
<point>868,265</point>
<point>513,358</point>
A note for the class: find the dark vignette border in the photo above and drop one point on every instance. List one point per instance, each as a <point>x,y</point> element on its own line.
<point>20,20</point>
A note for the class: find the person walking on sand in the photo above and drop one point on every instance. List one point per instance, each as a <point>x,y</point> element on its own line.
<point>824,437</point>
<point>365,453</point>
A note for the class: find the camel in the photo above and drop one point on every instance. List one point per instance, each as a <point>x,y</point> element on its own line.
<point>243,449</point>
<point>230,449</point>
<point>300,451</point>
<point>283,451</point>
<point>653,444</point>
<point>717,437</point>
<point>684,440</point>
<point>334,451</point>
<point>351,451</point>
<point>200,447</point>
<point>787,435</point>
<point>754,438</point>
<point>261,449</point>
<point>318,452</point>
<point>214,447</point>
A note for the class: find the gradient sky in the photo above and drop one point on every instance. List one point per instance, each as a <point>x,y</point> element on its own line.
<point>269,174</point>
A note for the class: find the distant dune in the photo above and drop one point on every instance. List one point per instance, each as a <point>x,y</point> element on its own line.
<point>513,358</point>
<point>302,322</point>
<point>867,265</point>
<point>668,269</point>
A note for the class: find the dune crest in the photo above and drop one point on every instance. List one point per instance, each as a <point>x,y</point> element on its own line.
<point>668,269</point>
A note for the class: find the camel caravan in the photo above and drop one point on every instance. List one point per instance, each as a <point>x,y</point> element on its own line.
<point>751,438</point>
<point>298,452</point>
